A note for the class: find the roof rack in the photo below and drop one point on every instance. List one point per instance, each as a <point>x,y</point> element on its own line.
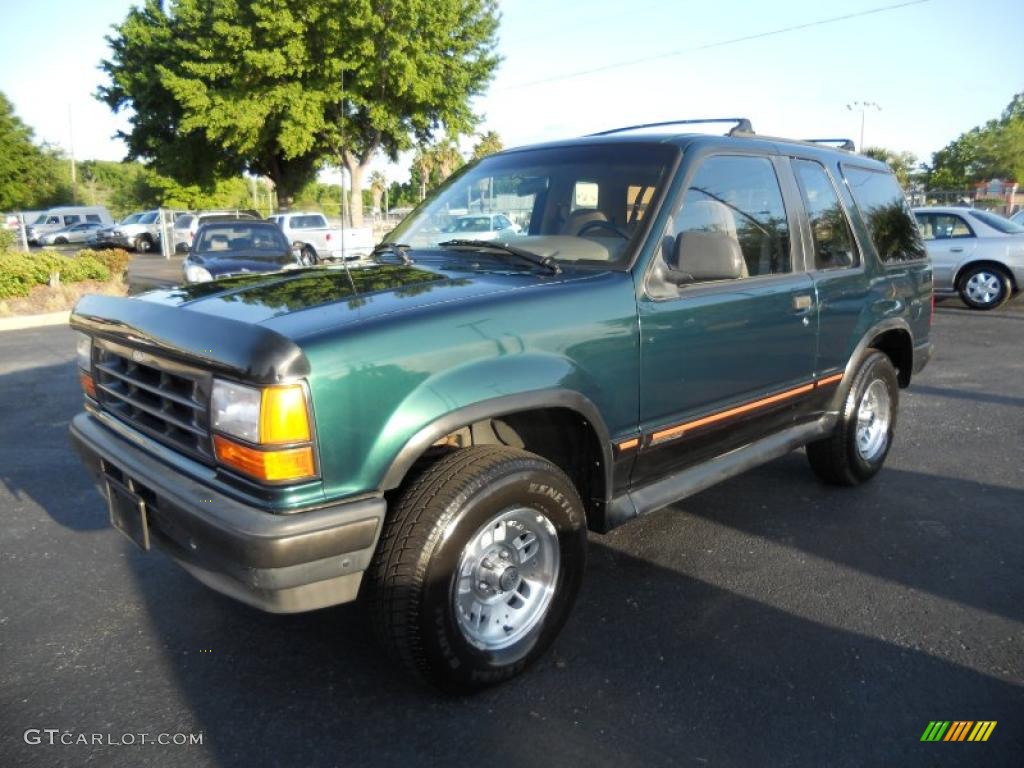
<point>742,125</point>
<point>846,144</point>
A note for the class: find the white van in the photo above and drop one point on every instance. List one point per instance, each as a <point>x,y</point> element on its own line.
<point>66,216</point>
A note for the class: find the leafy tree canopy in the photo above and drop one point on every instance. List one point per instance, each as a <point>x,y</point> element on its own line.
<point>30,176</point>
<point>994,150</point>
<point>256,85</point>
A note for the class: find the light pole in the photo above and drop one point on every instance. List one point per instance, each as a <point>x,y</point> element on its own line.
<point>862,107</point>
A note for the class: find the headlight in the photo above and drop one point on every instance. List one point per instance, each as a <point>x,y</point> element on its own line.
<point>196,274</point>
<point>271,416</point>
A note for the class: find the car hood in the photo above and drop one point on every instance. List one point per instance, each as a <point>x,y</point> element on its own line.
<point>304,301</point>
<point>238,262</point>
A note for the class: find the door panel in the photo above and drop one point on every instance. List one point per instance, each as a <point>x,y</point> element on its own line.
<point>718,351</point>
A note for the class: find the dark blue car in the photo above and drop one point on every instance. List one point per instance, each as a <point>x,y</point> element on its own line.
<point>242,246</point>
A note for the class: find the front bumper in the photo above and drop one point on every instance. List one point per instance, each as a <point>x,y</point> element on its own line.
<point>281,563</point>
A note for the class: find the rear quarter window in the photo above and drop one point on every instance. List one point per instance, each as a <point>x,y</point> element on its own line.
<point>883,208</point>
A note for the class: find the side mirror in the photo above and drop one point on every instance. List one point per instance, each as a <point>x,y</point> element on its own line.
<point>699,256</point>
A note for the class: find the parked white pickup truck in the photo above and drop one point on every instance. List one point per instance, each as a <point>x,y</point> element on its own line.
<point>322,241</point>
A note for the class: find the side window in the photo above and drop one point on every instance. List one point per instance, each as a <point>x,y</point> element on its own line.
<point>883,208</point>
<point>949,225</point>
<point>93,218</point>
<point>69,220</point>
<point>733,204</point>
<point>585,195</point>
<point>833,238</point>
<point>53,220</point>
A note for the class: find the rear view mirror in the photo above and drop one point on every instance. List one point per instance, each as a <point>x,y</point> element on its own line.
<point>699,256</point>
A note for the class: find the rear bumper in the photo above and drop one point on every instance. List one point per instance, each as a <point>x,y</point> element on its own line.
<point>281,563</point>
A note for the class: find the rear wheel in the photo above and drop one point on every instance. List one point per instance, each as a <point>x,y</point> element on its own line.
<point>308,256</point>
<point>984,287</point>
<point>857,448</point>
<point>478,566</point>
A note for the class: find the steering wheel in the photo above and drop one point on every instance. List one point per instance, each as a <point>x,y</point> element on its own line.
<point>602,225</point>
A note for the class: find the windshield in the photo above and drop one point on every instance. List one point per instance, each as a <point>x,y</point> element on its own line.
<point>131,218</point>
<point>148,218</point>
<point>582,204</point>
<point>1005,226</point>
<point>225,239</point>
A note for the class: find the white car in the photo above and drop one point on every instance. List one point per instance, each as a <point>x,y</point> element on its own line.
<point>318,240</point>
<point>975,254</point>
<point>481,226</point>
<point>1018,217</point>
<point>76,233</point>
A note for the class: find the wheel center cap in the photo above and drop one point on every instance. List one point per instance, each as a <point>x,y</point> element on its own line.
<point>509,579</point>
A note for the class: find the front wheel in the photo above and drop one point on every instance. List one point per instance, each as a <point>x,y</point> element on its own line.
<point>60,241</point>
<point>143,245</point>
<point>478,566</point>
<point>984,287</point>
<point>857,448</point>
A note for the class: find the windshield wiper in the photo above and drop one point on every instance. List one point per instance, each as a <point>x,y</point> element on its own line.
<point>401,250</point>
<point>493,245</point>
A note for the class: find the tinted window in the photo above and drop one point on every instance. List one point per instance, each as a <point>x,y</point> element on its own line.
<point>226,238</point>
<point>148,218</point>
<point>183,222</point>
<point>881,203</point>
<point>998,223</point>
<point>93,217</point>
<point>53,220</point>
<point>830,230</point>
<point>69,220</point>
<point>942,226</point>
<point>739,199</point>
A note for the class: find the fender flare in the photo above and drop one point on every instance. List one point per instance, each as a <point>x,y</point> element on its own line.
<point>876,330</point>
<point>496,408</point>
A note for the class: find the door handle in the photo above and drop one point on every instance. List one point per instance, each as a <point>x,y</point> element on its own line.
<point>956,250</point>
<point>802,303</point>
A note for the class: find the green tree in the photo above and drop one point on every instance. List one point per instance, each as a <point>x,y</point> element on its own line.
<point>903,164</point>
<point>489,143</point>
<point>29,176</point>
<point>378,186</point>
<point>281,87</point>
<point>994,150</point>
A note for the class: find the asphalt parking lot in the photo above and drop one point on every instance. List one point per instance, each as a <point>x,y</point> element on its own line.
<point>770,621</point>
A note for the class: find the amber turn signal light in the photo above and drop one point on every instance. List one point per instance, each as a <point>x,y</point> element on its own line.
<point>269,466</point>
<point>88,385</point>
<point>283,415</point>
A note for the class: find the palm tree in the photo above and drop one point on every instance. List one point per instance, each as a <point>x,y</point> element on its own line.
<point>378,183</point>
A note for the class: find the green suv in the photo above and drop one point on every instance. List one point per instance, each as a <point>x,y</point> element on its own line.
<point>436,432</point>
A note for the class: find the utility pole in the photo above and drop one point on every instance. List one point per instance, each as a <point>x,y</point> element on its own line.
<point>74,172</point>
<point>862,107</point>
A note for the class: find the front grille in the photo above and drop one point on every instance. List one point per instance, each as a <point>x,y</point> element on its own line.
<point>165,399</point>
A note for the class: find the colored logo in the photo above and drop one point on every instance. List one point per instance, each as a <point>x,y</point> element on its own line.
<point>958,730</point>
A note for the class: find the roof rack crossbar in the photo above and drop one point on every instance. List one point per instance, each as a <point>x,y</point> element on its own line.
<point>846,144</point>
<point>742,125</point>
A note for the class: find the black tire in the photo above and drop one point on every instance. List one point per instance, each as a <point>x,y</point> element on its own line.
<point>412,579</point>
<point>142,244</point>
<point>989,277</point>
<point>308,257</point>
<point>60,241</point>
<point>836,459</point>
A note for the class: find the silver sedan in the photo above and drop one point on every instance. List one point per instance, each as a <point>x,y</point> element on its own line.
<point>76,233</point>
<point>975,254</point>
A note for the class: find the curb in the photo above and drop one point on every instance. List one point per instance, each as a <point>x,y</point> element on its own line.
<point>34,321</point>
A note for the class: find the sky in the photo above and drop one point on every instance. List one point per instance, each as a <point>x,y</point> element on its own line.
<point>935,68</point>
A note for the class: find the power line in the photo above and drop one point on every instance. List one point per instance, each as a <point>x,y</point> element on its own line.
<point>718,44</point>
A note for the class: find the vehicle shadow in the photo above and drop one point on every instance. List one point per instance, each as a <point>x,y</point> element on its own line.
<point>967,394</point>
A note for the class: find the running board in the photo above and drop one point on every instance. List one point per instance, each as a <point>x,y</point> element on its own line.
<point>661,493</point>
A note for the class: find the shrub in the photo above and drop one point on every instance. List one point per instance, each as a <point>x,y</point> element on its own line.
<point>20,271</point>
<point>116,260</point>
<point>8,239</point>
